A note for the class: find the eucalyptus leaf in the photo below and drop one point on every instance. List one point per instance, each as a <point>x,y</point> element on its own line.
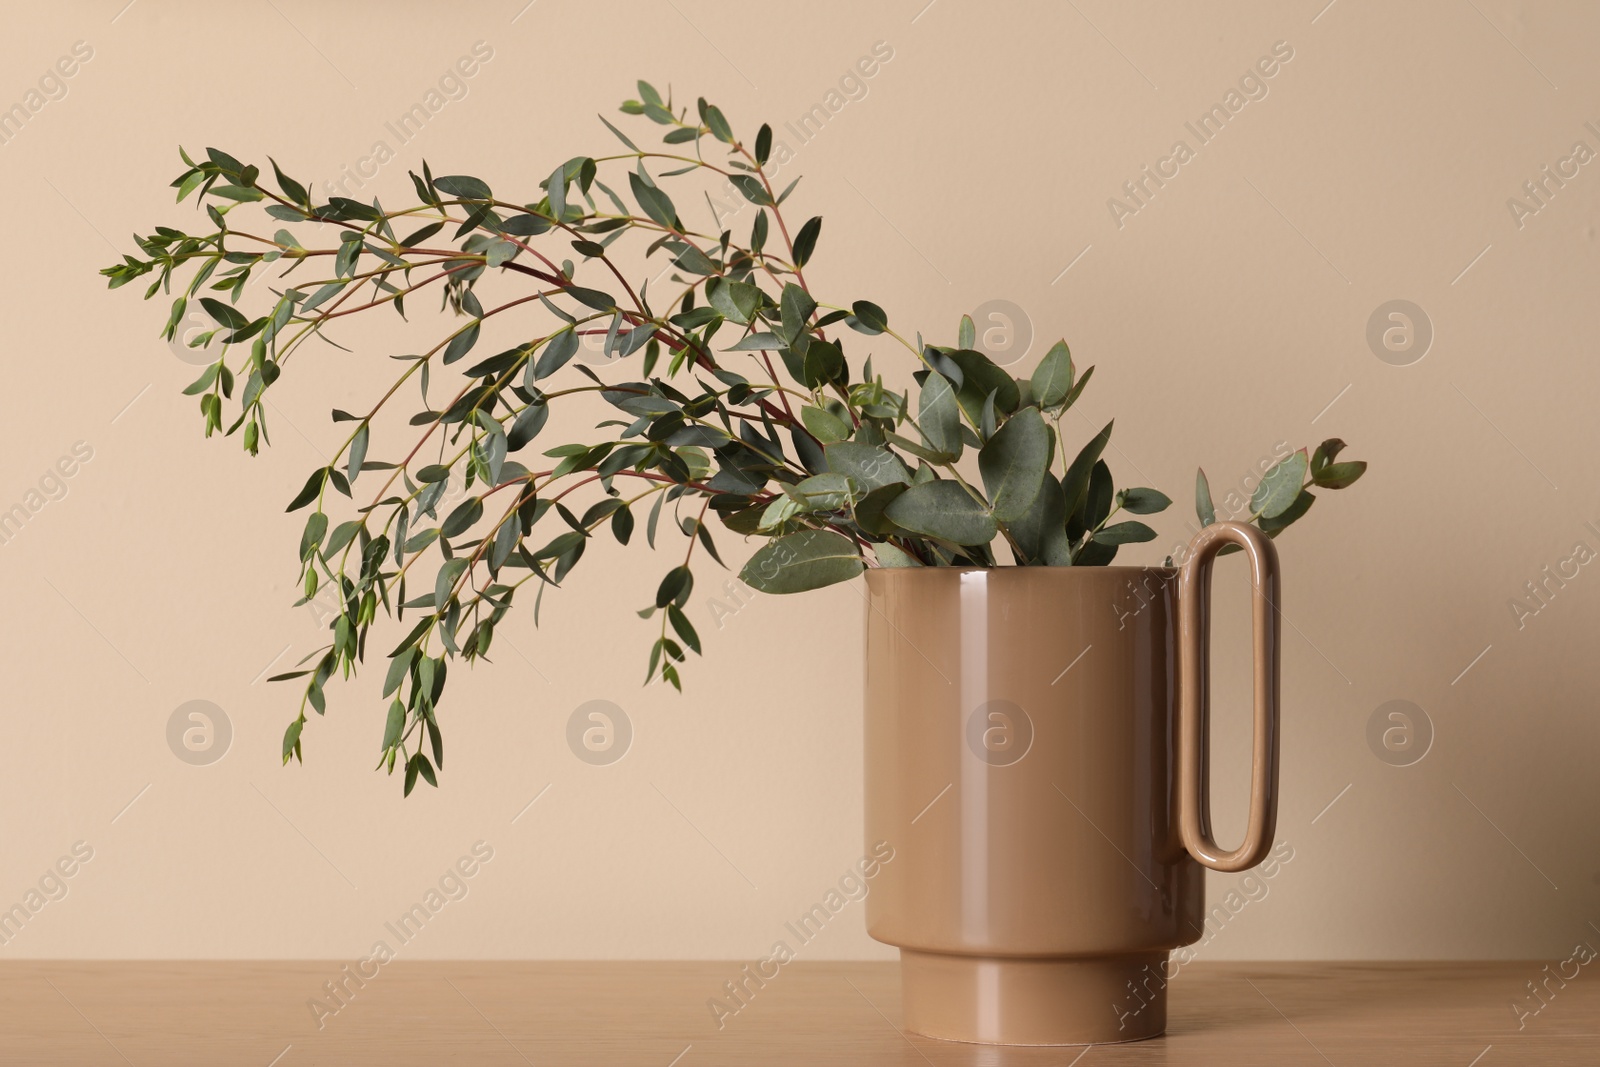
<point>946,510</point>
<point>797,562</point>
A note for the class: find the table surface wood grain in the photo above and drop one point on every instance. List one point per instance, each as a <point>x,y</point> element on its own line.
<point>656,1014</point>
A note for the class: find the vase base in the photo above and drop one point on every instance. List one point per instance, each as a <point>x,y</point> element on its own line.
<point>1086,1000</point>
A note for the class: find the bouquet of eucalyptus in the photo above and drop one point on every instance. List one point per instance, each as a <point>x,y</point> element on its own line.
<point>728,398</point>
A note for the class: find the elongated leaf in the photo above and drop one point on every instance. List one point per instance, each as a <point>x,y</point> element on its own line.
<point>462,185</point>
<point>809,559</point>
<point>1042,532</point>
<point>656,203</point>
<point>461,344</point>
<point>1340,475</point>
<point>736,300</point>
<point>1052,378</point>
<point>1204,510</point>
<point>1125,533</point>
<point>805,242</point>
<point>1280,486</point>
<point>869,466</point>
<point>890,556</point>
<point>1014,463</point>
<point>561,348</point>
<point>979,378</point>
<point>825,426</point>
<point>797,306</point>
<point>1145,501</point>
<point>1274,526</point>
<point>939,416</point>
<point>943,509</point>
<point>1075,483</point>
<point>313,488</point>
<point>869,317</point>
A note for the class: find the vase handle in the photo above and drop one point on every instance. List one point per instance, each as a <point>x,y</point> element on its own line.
<point>1194,697</point>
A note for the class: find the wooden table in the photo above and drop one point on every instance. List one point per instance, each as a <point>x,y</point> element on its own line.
<point>169,1014</point>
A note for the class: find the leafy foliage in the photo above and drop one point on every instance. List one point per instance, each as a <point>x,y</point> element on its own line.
<point>739,406</point>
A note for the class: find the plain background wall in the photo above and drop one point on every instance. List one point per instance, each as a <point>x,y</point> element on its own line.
<point>1227,314</point>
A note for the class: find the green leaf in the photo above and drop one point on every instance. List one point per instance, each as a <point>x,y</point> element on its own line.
<point>939,416</point>
<point>464,186</point>
<point>869,317</point>
<point>620,135</point>
<point>1052,378</point>
<point>797,306</point>
<point>394,726</point>
<point>556,188</point>
<point>763,144</point>
<point>1098,501</point>
<point>967,334</point>
<point>676,582</point>
<point>1279,486</point>
<point>1204,510</point>
<point>1339,475</point>
<point>828,491</point>
<point>1075,483</point>
<point>825,426</point>
<point>890,556</point>
<point>1042,532</point>
<point>226,315</point>
<point>1014,463</point>
<point>527,426</point>
<point>1145,501</point>
<point>758,342</point>
<point>1274,526</point>
<point>736,300</point>
<point>461,519</point>
<point>943,509</point>
<point>980,377</point>
<point>1326,453</point>
<point>1125,533</point>
<point>797,562</point>
<point>313,488</point>
<point>291,188</point>
<point>398,668</point>
<point>869,466</point>
<point>291,739</point>
<point>358,450</point>
<point>805,242</point>
<point>592,297</point>
<point>824,363</point>
<point>316,527</point>
<point>655,203</point>
<point>712,119</point>
<point>461,344</point>
<point>751,189</point>
<point>561,348</point>
<point>683,628</point>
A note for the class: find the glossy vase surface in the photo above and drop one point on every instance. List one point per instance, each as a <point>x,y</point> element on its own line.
<point>1036,756</point>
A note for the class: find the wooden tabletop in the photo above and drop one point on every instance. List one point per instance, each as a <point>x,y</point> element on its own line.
<point>169,1014</point>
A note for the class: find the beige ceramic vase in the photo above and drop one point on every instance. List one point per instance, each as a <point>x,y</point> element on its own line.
<point>1036,754</point>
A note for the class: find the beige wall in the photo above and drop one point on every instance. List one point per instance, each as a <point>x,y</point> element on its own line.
<point>1226,315</point>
